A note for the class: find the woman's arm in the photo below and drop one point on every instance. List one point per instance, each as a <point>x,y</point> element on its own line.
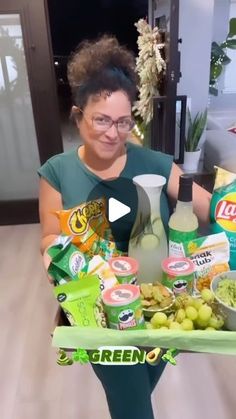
<point>201,198</point>
<point>49,200</point>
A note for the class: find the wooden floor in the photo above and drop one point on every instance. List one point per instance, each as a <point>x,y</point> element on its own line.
<point>33,386</point>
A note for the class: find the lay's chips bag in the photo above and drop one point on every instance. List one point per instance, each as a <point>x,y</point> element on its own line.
<point>223,209</point>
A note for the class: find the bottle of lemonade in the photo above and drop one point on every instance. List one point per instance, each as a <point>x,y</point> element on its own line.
<point>183,223</point>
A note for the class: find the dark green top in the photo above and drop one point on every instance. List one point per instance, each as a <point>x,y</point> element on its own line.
<point>69,176</point>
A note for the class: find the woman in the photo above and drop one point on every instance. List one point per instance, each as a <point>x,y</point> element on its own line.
<point>103,82</point>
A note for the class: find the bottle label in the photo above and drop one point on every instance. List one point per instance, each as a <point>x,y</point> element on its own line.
<point>176,238</point>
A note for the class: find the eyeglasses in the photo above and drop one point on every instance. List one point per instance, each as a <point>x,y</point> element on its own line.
<point>102,123</point>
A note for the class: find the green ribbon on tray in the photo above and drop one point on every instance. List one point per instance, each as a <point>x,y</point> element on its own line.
<point>216,342</point>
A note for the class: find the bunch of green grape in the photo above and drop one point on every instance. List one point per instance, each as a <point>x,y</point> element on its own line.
<point>190,314</point>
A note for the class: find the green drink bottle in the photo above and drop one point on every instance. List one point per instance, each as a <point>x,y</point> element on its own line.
<point>183,223</point>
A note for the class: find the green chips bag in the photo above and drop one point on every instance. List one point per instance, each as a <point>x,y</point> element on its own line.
<point>81,301</point>
<point>223,209</point>
<point>66,262</point>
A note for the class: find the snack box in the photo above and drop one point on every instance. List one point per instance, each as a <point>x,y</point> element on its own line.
<point>71,338</point>
<point>218,342</point>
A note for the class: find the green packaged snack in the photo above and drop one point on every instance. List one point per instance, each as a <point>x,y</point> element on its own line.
<point>210,255</point>
<point>98,266</point>
<point>223,209</point>
<point>67,260</point>
<point>81,301</point>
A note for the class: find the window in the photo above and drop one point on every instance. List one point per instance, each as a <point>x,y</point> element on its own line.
<point>230,70</point>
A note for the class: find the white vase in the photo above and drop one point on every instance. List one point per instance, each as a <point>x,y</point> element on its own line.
<point>191,160</point>
<point>148,242</point>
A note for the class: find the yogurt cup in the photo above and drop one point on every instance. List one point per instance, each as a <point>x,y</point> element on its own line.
<point>123,307</point>
<point>125,269</point>
<point>178,274</point>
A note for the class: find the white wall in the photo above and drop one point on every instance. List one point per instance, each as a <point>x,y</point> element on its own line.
<point>195,29</point>
<point>220,20</point>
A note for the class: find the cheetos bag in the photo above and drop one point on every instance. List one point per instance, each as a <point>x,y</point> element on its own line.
<point>89,228</point>
<point>223,209</point>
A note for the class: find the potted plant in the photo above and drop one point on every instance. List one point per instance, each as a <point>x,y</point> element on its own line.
<point>195,130</point>
<point>219,57</point>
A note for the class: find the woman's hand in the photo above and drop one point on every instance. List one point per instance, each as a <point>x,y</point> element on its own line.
<point>46,261</point>
<point>48,242</point>
<point>49,199</point>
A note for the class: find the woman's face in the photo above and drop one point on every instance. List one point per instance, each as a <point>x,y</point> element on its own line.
<point>101,140</point>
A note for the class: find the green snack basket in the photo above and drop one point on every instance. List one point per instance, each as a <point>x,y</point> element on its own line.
<point>215,342</point>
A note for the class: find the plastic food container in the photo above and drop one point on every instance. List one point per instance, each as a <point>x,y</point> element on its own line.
<point>228,312</point>
<point>123,307</point>
<point>150,311</point>
<point>125,269</point>
<point>178,274</point>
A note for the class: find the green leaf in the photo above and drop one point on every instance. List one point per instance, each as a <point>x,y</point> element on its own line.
<point>196,127</point>
<point>232,28</point>
<point>81,356</point>
<point>216,70</point>
<point>216,50</point>
<point>169,356</point>
<point>217,53</point>
<point>225,59</point>
<point>230,43</point>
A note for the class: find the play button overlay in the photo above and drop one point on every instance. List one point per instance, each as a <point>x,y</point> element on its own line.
<point>116,210</point>
<point>121,199</point>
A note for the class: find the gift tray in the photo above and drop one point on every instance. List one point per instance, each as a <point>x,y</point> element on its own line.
<point>218,342</point>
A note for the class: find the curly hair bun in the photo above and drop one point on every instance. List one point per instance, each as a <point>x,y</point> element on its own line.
<point>95,57</point>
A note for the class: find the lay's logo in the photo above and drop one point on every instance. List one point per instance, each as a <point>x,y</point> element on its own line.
<point>225,212</point>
